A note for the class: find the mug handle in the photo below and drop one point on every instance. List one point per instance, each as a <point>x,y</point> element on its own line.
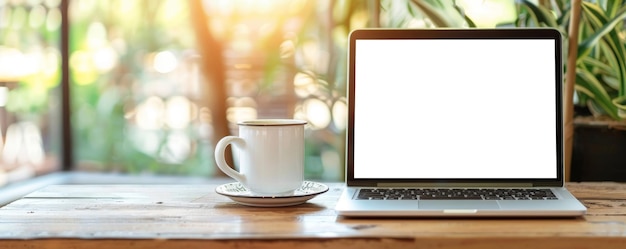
<point>220,148</point>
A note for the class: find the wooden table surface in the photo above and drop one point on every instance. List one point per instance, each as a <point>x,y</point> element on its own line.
<point>194,216</point>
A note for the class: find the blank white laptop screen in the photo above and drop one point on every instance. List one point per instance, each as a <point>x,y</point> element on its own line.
<point>455,108</point>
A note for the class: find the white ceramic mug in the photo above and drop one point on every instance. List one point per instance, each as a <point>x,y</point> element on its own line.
<point>271,155</point>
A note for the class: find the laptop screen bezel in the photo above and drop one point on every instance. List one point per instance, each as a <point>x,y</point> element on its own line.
<point>519,33</point>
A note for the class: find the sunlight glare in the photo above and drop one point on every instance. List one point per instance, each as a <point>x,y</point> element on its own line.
<point>165,62</point>
<point>489,13</point>
<point>268,7</point>
<point>105,59</point>
<point>317,113</point>
<point>224,7</point>
<point>178,112</point>
<point>33,61</point>
<point>170,10</point>
<point>13,64</point>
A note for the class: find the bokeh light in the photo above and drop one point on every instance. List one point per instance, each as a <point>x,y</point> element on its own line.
<point>241,108</point>
<point>165,62</point>
<point>317,113</point>
<point>13,64</point>
<point>304,84</point>
<point>150,114</point>
<point>178,112</point>
<point>82,67</point>
<point>37,16</point>
<point>104,59</point>
<point>176,148</point>
<point>340,114</point>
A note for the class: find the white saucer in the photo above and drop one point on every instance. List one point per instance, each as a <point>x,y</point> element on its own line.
<point>238,193</point>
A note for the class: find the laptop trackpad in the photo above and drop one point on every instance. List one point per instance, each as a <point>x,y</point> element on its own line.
<point>458,204</point>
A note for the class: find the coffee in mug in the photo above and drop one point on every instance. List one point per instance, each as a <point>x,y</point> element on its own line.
<point>271,155</point>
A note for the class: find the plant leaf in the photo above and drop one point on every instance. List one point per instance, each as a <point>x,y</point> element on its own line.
<point>542,15</point>
<point>613,52</point>
<point>469,21</point>
<point>599,95</point>
<point>595,15</point>
<point>431,13</point>
<point>584,91</point>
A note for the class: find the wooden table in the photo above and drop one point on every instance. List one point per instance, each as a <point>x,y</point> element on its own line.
<point>194,216</point>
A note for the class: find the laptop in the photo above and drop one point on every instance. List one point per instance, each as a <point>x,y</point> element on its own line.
<point>455,122</point>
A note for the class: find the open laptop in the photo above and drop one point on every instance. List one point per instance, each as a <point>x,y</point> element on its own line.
<point>455,122</point>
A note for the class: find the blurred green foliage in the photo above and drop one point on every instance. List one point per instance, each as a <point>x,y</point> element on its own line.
<point>283,58</point>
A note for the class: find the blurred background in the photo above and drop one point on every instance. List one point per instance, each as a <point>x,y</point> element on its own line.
<point>151,85</point>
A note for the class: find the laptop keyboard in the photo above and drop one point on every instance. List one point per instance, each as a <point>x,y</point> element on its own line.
<point>455,194</point>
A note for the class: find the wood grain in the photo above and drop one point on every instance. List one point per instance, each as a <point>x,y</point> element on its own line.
<point>194,216</point>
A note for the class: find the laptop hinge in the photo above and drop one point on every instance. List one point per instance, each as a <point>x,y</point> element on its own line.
<point>453,184</point>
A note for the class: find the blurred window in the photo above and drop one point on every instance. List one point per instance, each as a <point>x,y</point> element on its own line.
<point>141,101</point>
<point>30,62</point>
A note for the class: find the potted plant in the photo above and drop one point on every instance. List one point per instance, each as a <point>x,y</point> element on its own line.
<point>598,55</point>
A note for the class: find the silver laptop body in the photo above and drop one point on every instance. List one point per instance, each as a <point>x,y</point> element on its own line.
<point>455,122</point>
